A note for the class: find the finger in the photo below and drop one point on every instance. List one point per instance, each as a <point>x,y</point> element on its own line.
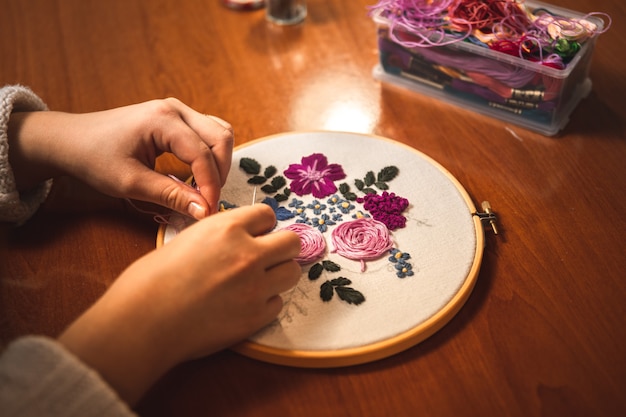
<point>169,192</point>
<point>256,220</point>
<point>205,143</point>
<point>215,132</point>
<point>283,276</point>
<point>278,247</point>
<point>212,165</point>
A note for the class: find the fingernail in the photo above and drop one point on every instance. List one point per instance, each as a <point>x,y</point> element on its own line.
<point>196,211</point>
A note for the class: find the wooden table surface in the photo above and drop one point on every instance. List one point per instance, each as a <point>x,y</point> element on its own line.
<point>544,331</point>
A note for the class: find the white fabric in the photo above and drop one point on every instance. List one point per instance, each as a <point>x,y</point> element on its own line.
<point>440,237</point>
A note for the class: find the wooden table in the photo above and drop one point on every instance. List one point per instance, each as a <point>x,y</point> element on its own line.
<point>543,333</point>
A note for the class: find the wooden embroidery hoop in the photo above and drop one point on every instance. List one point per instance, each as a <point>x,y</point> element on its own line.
<point>390,346</point>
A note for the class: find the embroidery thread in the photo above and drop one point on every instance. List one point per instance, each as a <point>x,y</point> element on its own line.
<point>359,225</point>
<point>338,285</point>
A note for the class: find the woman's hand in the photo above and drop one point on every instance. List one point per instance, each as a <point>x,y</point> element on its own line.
<point>115,151</point>
<point>213,285</point>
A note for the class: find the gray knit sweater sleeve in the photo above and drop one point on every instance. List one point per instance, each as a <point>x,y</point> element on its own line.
<point>16,207</point>
<point>39,378</point>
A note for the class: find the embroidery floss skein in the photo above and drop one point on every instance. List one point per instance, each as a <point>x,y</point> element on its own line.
<point>534,34</point>
<point>361,240</point>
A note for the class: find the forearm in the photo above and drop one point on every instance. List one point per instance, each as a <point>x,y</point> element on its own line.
<point>31,148</point>
<point>120,342</point>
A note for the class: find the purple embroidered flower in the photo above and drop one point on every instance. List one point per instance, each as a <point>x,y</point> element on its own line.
<point>386,208</point>
<point>314,176</point>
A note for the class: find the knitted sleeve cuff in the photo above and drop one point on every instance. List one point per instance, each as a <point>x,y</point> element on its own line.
<point>39,377</point>
<point>17,207</point>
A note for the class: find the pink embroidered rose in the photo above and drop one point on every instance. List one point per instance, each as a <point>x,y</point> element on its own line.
<point>312,243</point>
<point>314,175</point>
<point>361,240</point>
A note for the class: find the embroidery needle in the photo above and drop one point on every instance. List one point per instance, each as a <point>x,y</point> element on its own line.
<point>254,196</point>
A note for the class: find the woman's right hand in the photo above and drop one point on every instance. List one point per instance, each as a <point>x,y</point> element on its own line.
<point>213,285</point>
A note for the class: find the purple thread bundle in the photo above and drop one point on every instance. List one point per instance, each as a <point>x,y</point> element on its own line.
<point>424,24</point>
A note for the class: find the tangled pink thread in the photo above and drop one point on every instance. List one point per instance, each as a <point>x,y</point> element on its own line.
<point>312,244</point>
<point>362,240</point>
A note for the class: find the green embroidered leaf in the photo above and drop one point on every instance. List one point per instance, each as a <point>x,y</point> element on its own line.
<point>344,188</point>
<point>349,196</point>
<point>381,185</point>
<point>278,182</point>
<point>369,178</point>
<point>369,190</point>
<point>388,173</point>
<point>270,171</point>
<point>257,180</point>
<point>359,184</point>
<point>287,192</point>
<point>350,295</point>
<point>250,166</point>
<point>341,281</point>
<point>280,197</point>
<point>330,266</point>
<point>315,271</point>
<point>268,189</point>
<point>326,291</point>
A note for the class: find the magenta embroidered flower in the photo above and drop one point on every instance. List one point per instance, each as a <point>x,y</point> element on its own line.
<point>314,176</point>
<point>386,208</point>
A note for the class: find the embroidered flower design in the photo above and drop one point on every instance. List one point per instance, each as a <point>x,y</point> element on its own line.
<point>225,205</point>
<point>314,175</point>
<point>312,243</point>
<point>316,206</point>
<point>386,208</point>
<point>334,199</point>
<point>361,240</point>
<point>360,215</point>
<point>281,212</point>
<point>322,222</point>
<point>403,268</point>
<point>298,206</point>
<point>345,206</point>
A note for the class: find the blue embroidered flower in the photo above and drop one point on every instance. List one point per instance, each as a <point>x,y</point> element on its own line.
<point>398,256</point>
<point>225,205</point>
<point>282,213</point>
<point>316,206</point>
<point>298,206</point>
<point>345,206</point>
<point>359,215</point>
<point>322,222</point>
<point>338,217</point>
<point>295,202</point>
<point>334,199</point>
<point>404,269</point>
<point>303,218</point>
<point>399,259</point>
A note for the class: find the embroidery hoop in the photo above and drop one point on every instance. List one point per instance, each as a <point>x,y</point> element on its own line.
<point>416,165</point>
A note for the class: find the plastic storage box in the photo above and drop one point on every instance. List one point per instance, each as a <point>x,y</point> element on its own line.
<point>541,98</point>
